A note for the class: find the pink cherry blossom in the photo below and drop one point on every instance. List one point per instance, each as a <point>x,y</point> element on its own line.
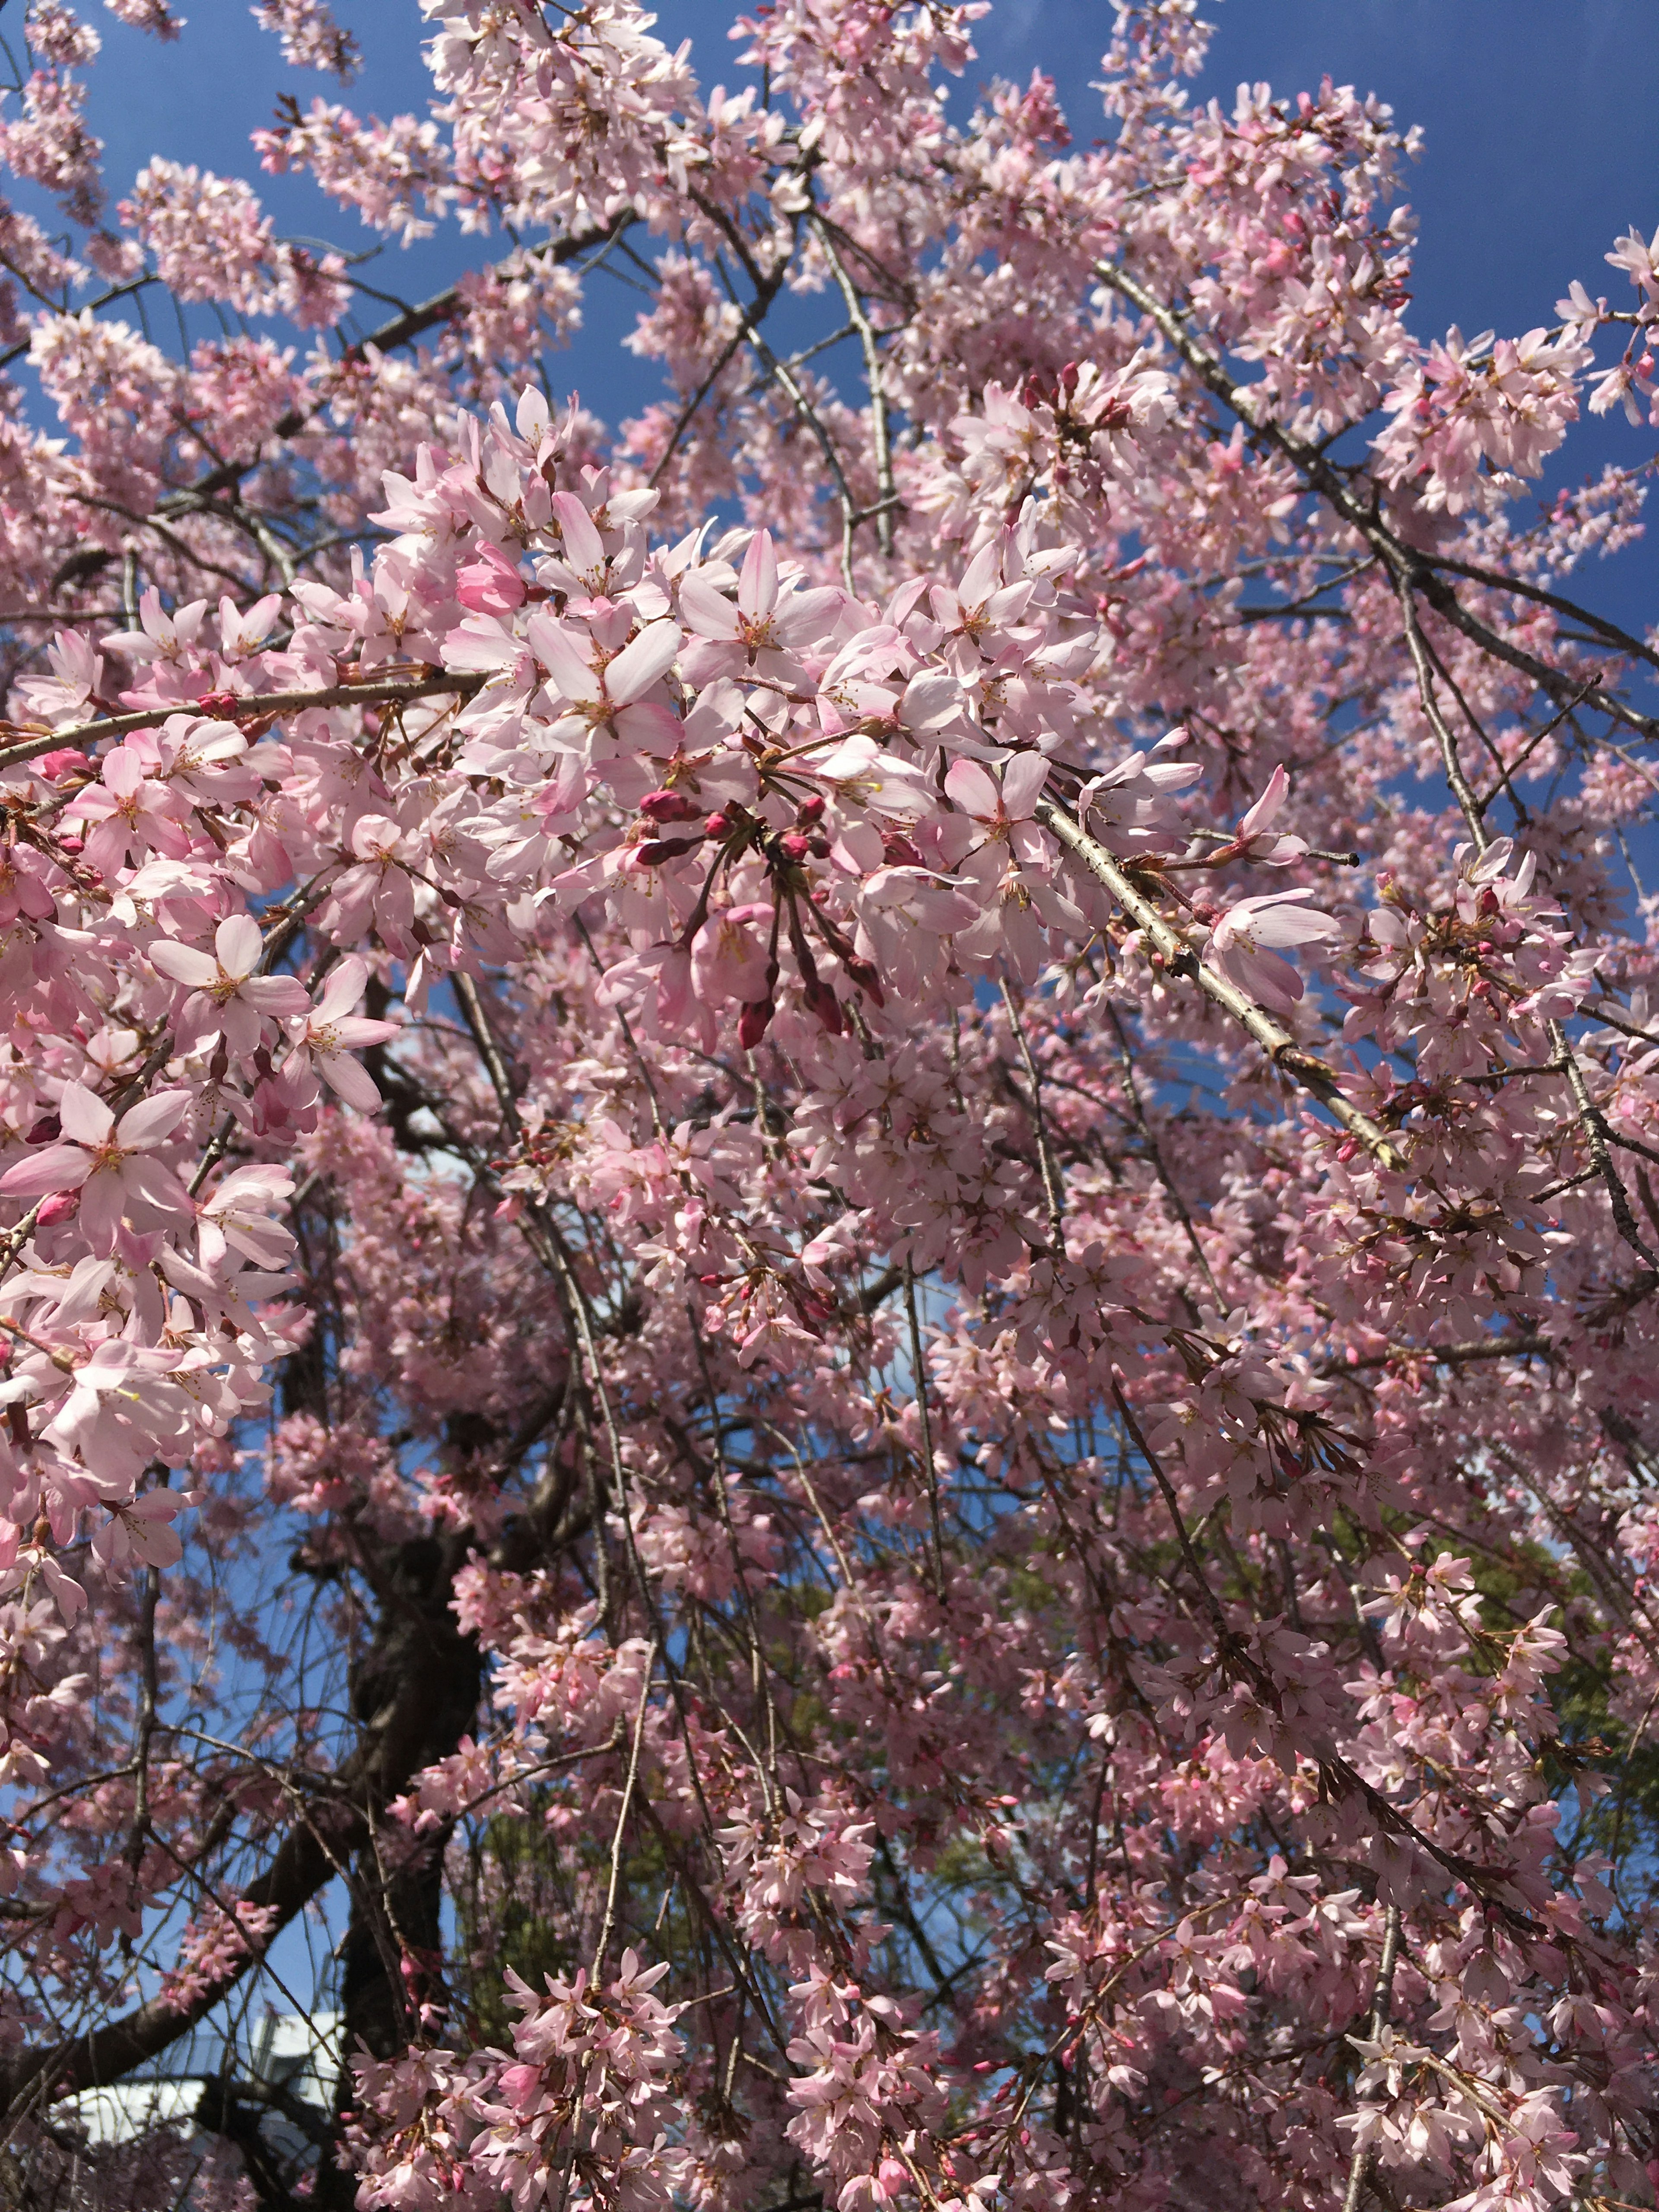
<point>331,1035</point>
<point>109,1162</point>
<point>755,1429</point>
<point>227,996</point>
<point>1243,945</point>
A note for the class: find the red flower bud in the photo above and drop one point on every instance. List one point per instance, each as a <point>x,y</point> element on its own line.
<point>826,1004</point>
<point>668,806</point>
<point>863,973</point>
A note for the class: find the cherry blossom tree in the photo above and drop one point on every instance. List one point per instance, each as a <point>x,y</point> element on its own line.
<point>830,1258</point>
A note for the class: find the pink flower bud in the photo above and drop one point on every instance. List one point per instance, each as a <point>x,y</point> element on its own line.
<point>64,762</point>
<point>668,806</point>
<point>489,584</point>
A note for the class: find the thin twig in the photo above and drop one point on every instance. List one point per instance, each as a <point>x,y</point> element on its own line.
<point>1463,791</point>
<point>1053,1188</point>
<point>859,316</point>
<point>1362,2151</point>
<point>429,683</point>
<point>622,1811</point>
<point>918,1377</point>
<point>1281,1049</point>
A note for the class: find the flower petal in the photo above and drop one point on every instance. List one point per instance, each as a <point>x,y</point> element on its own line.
<point>969,787</point>
<point>570,670</point>
<point>709,613</point>
<point>343,986</point>
<point>239,945</point>
<point>153,1120</point>
<point>1267,805</point>
<point>638,666</point>
<point>276,994</point>
<point>757,586</point>
<point>350,1078</point>
<point>1022,779</point>
<point>185,964</point>
<point>86,1120</point>
<point>584,548</point>
<point>58,1167</point>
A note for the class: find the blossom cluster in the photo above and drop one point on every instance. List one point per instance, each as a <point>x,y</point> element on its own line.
<point>828,1227</point>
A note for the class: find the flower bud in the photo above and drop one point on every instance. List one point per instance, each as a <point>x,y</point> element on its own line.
<point>668,806</point>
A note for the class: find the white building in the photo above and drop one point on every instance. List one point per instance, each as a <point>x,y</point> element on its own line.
<point>295,2052</point>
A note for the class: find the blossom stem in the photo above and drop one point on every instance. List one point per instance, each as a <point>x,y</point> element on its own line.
<point>1281,1049</point>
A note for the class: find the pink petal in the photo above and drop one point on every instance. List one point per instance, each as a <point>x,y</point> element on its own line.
<point>979,578</point>
<point>638,666</point>
<point>350,1078</point>
<point>239,945</point>
<point>932,699</point>
<point>709,614</point>
<point>489,583</point>
<point>239,1024</point>
<point>375,834</point>
<point>146,1178</point>
<point>1267,805</point>
<point>757,586</point>
<point>122,774</point>
<point>84,1117</point>
<point>806,614</point>
<point>103,1202</point>
<point>1293,926</point>
<point>59,1167</point>
<point>584,548</point>
<point>185,964</point>
<point>353,1031</point>
<point>649,728</point>
<point>568,669</point>
<point>343,987</point>
<point>276,994</point>
<point>1022,779</point>
<point>153,1120</point>
<point>969,786</point>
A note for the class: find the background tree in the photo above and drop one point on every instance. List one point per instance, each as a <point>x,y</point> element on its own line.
<point>829,1261</point>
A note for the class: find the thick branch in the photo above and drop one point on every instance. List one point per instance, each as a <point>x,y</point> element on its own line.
<point>416,1692</point>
